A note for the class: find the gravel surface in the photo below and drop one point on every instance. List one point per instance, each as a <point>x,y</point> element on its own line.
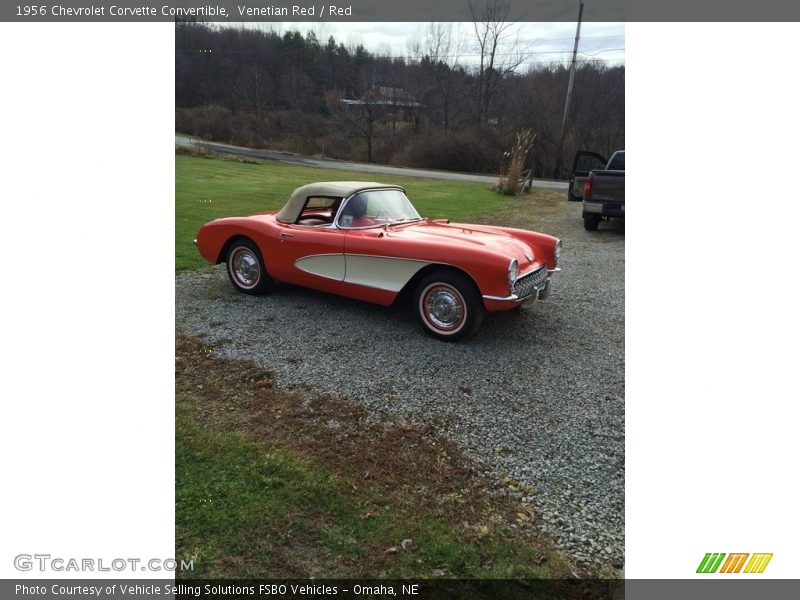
<point>535,396</point>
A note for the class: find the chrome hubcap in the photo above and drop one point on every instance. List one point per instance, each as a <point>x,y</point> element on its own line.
<point>245,267</point>
<point>444,307</point>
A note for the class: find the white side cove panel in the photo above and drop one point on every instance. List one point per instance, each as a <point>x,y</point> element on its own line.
<point>330,266</point>
<point>381,272</point>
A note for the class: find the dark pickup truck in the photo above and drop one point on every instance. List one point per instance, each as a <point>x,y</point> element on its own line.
<point>600,185</point>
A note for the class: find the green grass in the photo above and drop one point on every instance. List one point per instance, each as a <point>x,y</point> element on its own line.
<point>243,511</point>
<point>209,188</point>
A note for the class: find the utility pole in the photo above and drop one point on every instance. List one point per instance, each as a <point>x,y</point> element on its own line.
<point>557,170</point>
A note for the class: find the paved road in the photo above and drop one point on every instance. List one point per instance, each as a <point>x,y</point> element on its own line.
<point>350,166</point>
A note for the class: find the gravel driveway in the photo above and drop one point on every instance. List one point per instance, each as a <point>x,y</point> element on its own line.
<point>536,397</point>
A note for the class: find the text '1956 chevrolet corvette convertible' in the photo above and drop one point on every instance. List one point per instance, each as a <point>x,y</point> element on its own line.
<point>366,241</point>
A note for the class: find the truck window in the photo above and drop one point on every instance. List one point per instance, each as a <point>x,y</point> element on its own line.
<point>588,162</point>
<point>617,162</point>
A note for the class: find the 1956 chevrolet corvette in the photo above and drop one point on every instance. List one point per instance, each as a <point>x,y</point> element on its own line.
<point>366,241</point>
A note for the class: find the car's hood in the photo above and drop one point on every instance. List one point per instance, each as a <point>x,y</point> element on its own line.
<point>467,236</point>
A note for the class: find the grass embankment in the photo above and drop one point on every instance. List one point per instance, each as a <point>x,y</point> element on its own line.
<point>207,188</point>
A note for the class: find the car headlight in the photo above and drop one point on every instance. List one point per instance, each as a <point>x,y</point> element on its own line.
<point>513,271</point>
<point>557,252</point>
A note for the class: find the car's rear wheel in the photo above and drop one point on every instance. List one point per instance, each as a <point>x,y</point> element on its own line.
<point>448,305</point>
<point>590,222</point>
<point>246,268</point>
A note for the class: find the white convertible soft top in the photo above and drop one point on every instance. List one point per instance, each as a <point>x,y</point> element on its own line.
<point>327,189</point>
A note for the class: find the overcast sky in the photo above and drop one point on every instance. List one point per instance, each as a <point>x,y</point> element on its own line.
<point>548,42</point>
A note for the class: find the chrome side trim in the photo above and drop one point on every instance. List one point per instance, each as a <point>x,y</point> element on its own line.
<point>419,260</point>
<point>556,270</point>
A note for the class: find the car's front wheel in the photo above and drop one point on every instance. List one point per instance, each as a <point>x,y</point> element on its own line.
<point>246,268</point>
<point>448,305</point>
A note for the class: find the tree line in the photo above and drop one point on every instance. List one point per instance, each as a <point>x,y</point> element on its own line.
<point>430,109</point>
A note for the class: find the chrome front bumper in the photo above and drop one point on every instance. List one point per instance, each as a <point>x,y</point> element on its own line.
<point>540,292</point>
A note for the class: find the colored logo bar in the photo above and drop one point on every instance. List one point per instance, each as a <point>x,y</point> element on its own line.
<point>713,562</point>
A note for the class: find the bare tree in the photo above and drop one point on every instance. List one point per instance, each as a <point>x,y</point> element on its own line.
<point>439,52</point>
<point>358,116</point>
<point>500,50</point>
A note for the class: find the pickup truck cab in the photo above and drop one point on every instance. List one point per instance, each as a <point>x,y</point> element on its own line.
<point>600,185</point>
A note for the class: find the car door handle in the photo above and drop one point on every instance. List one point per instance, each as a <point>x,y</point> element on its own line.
<point>284,234</point>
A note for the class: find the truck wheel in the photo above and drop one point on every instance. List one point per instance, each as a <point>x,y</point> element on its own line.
<point>590,222</point>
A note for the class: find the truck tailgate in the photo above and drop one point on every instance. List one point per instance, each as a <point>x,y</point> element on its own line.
<point>608,186</point>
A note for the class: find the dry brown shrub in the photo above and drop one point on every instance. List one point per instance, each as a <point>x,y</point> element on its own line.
<point>511,184</point>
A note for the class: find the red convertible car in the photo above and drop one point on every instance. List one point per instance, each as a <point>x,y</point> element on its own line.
<point>366,241</point>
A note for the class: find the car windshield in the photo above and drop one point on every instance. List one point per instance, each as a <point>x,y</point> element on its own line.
<point>376,208</point>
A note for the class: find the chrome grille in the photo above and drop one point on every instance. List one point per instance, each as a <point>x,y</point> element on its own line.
<point>530,283</point>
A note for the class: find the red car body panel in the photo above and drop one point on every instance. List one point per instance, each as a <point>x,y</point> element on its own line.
<point>482,252</point>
